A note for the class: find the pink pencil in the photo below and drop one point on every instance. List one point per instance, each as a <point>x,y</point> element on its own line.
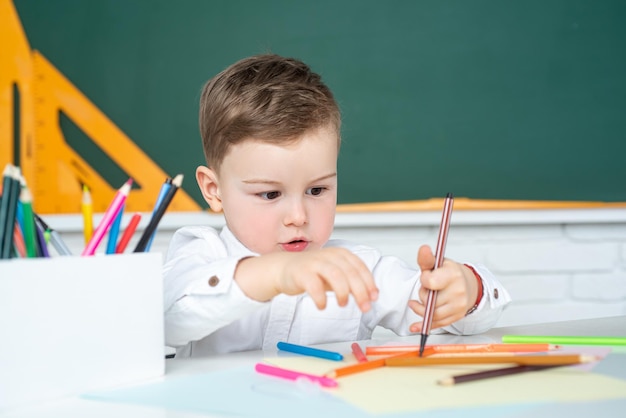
<point>358,353</point>
<point>293,375</point>
<point>108,218</point>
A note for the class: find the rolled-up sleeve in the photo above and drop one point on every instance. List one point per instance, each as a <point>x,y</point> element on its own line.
<point>200,292</point>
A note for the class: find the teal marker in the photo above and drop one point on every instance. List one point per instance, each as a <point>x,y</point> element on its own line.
<point>308,351</point>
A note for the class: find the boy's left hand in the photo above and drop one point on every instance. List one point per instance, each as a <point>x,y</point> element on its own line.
<point>456,287</point>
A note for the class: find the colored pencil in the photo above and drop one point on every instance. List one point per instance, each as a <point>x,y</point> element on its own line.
<point>86,208</point>
<point>488,374</point>
<point>156,217</point>
<point>42,245</point>
<point>109,216</point>
<point>8,209</point>
<point>7,184</point>
<point>114,232</point>
<point>358,353</point>
<point>528,360</point>
<point>368,365</point>
<point>462,348</point>
<point>18,241</point>
<point>565,340</point>
<point>30,234</point>
<point>164,189</point>
<point>294,375</point>
<point>439,255</point>
<point>309,351</point>
<point>128,233</point>
<point>55,239</point>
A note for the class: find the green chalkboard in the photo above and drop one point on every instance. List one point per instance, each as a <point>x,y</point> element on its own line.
<point>488,99</point>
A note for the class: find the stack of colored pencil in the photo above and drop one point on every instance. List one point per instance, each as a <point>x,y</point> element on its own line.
<point>112,219</point>
<point>20,234</point>
<point>521,358</point>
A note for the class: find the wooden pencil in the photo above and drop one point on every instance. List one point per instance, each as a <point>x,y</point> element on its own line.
<point>529,360</point>
<point>142,245</point>
<point>488,374</point>
<point>368,365</point>
<point>462,348</point>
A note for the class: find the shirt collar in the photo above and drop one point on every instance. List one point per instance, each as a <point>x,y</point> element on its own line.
<point>233,245</point>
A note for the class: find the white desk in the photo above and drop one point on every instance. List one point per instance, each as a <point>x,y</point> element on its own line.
<point>78,407</point>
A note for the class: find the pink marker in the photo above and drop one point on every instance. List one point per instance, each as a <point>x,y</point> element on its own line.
<point>108,218</point>
<point>293,375</point>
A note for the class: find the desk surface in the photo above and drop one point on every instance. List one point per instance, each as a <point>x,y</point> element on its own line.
<point>80,407</point>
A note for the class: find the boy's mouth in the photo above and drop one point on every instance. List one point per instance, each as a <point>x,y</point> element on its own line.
<point>295,245</point>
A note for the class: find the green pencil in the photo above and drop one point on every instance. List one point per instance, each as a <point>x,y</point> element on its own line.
<point>29,223</point>
<point>564,340</point>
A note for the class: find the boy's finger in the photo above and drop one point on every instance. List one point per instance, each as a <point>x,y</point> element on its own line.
<point>315,289</point>
<point>425,258</point>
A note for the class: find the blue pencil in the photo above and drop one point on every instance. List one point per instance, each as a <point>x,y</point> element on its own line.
<point>114,231</point>
<point>308,351</point>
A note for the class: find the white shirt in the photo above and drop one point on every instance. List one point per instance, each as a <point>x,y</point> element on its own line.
<point>206,312</point>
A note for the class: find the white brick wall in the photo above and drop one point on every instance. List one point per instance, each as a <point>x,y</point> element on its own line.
<point>556,264</point>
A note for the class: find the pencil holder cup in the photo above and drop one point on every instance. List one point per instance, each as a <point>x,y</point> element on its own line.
<point>75,324</point>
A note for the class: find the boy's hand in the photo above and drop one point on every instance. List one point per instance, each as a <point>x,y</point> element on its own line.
<point>314,272</point>
<point>456,290</point>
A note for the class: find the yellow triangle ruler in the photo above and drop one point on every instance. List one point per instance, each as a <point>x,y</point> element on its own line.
<point>54,171</point>
<point>15,77</point>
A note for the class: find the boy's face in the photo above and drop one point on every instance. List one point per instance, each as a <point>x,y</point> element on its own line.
<point>277,197</point>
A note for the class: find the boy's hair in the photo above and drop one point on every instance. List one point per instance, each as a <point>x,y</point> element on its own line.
<point>265,97</point>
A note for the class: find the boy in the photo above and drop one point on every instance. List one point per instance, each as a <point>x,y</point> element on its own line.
<point>271,132</point>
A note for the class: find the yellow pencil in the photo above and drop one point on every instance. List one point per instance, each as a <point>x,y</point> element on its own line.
<point>87,210</point>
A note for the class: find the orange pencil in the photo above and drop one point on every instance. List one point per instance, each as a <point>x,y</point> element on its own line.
<point>368,365</point>
<point>463,348</point>
<point>532,360</point>
<point>128,233</point>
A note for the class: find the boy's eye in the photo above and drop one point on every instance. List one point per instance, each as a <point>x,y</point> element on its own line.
<point>315,191</point>
<point>269,195</point>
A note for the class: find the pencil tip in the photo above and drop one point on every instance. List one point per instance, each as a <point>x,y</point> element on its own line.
<point>178,180</point>
<point>422,344</point>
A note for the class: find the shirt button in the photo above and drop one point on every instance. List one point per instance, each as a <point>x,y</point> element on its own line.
<point>213,281</point>
<point>495,293</point>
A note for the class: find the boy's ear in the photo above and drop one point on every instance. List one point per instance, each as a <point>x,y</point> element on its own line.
<point>208,184</point>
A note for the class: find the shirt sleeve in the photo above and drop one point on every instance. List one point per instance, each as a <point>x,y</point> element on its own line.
<point>495,298</point>
<point>200,293</point>
<point>398,283</point>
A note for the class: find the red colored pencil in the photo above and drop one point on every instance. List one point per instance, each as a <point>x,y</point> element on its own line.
<point>128,233</point>
<point>358,353</point>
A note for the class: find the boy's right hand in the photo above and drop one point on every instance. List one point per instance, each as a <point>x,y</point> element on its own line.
<point>314,272</point>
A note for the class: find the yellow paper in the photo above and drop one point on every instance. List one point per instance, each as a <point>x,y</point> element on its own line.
<point>414,389</point>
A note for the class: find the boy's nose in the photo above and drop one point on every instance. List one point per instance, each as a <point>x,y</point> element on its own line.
<point>296,214</point>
